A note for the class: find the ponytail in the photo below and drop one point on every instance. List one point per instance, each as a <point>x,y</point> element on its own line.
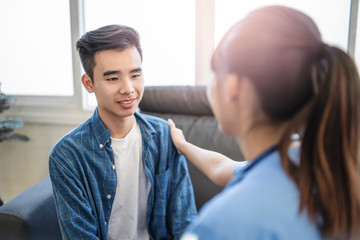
<point>328,174</point>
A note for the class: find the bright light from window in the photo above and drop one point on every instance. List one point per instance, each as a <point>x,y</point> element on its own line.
<point>331,16</point>
<point>167,34</point>
<point>35,48</point>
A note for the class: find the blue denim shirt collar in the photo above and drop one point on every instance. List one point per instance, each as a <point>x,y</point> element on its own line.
<point>103,134</point>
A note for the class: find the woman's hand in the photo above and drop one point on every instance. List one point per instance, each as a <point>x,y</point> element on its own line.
<point>177,136</point>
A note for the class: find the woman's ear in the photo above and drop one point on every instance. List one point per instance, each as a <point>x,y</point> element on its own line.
<point>240,89</point>
<point>87,82</point>
<point>233,86</point>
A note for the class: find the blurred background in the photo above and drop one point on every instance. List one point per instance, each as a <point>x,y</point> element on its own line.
<point>40,67</point>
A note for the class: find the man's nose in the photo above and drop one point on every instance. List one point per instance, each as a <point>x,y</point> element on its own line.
<point>127,87</point>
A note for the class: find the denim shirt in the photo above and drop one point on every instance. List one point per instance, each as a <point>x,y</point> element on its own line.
<point>83,176</point>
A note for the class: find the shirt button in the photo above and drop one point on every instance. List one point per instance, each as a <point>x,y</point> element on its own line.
<point>108,196</point>
<point>105,222</point>
<point>101,146</point>
<point>113,166</point>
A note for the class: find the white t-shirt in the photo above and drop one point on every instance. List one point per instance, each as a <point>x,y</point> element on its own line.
<point>128,213</point>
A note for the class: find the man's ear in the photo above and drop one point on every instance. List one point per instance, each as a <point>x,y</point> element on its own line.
<point>88,84</point>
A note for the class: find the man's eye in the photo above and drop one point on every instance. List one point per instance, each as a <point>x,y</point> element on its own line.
<point>112,79</point>
<point>136,76</point>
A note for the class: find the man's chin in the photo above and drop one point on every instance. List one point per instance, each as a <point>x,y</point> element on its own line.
<point>127,113</point>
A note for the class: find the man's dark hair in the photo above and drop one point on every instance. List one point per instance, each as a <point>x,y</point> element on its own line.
<point>114,37</point>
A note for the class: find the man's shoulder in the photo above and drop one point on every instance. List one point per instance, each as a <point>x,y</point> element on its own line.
<point>152,119</point>
<point>74,137</point>
<point>159,124</point>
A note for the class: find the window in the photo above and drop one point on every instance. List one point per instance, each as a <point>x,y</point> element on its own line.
<point>332,17</point>
<point>35,48</point>
<point>167,34</point>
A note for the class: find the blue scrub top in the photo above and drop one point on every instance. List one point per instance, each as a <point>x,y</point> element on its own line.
<point>261,202</point>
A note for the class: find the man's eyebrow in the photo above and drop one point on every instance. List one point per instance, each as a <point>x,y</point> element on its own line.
<point>136,70</point>
<point>111,72</point>
<point>117,72</point>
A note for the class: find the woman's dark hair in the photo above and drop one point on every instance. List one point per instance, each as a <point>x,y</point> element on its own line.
<point>316,88</point>
<point>328,174</point>
<point>111,37</point>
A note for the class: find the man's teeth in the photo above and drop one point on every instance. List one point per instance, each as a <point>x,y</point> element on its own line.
<point>126,102</point>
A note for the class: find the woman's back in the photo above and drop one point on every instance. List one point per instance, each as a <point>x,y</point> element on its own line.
<point>261,202</point>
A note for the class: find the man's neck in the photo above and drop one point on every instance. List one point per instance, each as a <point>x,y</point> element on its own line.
<point>120,130</point>
<point>119,127</point>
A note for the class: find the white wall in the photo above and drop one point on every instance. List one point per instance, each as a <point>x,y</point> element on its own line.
<point>22,164</point>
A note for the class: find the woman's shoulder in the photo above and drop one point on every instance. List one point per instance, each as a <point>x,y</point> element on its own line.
<point>254,214</point>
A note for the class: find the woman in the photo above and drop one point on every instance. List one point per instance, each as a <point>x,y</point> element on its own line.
<point>275,77</point>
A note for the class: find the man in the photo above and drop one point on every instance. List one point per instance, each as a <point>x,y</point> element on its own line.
<point>118,175</point>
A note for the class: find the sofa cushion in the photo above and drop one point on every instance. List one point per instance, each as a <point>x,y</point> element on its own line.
<point>187,100</point>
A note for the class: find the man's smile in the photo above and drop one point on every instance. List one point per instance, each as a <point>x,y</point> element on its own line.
<point>126,101</point>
